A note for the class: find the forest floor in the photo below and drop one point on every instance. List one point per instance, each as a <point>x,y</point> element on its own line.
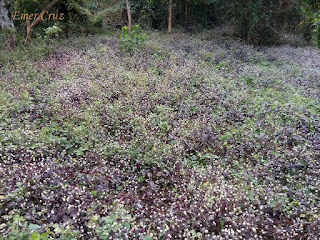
<point>191,137</point>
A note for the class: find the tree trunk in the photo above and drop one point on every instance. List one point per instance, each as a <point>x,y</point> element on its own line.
<point>38,19</point>
<point>28,37</point>
<point>170,17</point>
<point>5,21</point>
<point>186,11</point>
<point>6,24</point>
<point>129,15</point>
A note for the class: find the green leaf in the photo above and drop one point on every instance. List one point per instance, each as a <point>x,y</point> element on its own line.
<point>45,235</point>
<point>94,193</point>
<point>33,227</point>
<point>147,238</point>
<point>36,236</point>
<point>222,223</point>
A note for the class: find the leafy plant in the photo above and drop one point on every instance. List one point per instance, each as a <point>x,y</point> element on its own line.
<point>53,31</point>
<point>117,220</point>
<point>131,40</point>
<point>20,229</point>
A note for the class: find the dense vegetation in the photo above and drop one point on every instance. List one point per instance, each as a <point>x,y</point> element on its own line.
<point>256,22</point>
<point>205,133</point>
<point>188,137</point>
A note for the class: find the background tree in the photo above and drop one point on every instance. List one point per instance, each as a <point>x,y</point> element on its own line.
<point>38,19</point>
<point>7,26</point>
<point>170,17</point>
<point>129,15</point>
<point>5,21</point>
<point>255,22</point>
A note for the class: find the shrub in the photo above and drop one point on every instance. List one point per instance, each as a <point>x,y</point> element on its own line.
<point>131,40</point>
<point>310,11</point>
<point>53,31</point>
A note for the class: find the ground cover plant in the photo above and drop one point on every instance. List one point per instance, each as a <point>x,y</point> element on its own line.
<point>188,137</point>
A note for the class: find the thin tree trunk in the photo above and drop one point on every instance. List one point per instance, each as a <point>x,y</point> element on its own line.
<point>38,19</point>
<point>186,11</point>
<point>28,37</point>
<point>170,17</point>
<point>129,15</point>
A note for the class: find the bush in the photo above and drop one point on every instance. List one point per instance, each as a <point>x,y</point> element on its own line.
<point>311,13</point>
<point>53,31</point>
<point>131,40</point>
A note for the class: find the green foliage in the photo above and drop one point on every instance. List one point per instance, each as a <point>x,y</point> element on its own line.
<point>150,13</point>
<point>35,50</point>
<point>93,6</point>
<point>81,136</point>
<point>53,31</point>
<point>117,220</point>
<point>256,21</point>
<point>20,229</point>
<point>29,5</point>
<point>72,141</point>
<point>64,232</point>
<point>161,118</point>
<point>110,17</point>
<point>77,16</point>
<point>311,23</point>
<point>131,40</point>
